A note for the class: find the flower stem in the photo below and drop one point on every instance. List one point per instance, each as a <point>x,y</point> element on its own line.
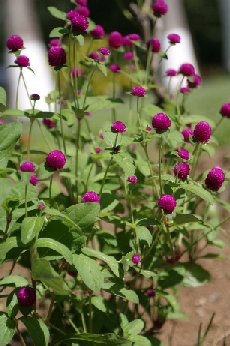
<point>160,159</point>
<point>29,140</point>
<point>61,118</point>
<point>50,189</point>
<point>26,188</point>
<point>106,172</point>
<point>90,315</point>
<point>20,335</point>
<point>78,138</point>
<point>41,128</point>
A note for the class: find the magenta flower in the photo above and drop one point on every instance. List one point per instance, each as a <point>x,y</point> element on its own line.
<point>225,110</point>
<point>56,56</point>
<point>128,56</point>
<point>87,114</point>
<point>215,179</point>
<point>83,10</point>
<point>167,203</point>
<point>90,196</point>
<point>133,179</point>
<point>35,97</point>
<point>27,166</point>
<point>161,122</point>
<point>33,179</point>
<point>181,170</point>
<point>186,133</point>
<point>136,259</point>
<point>104,51</point>
<point>114,68</point>
<point>79,23</point>
<point>202,132</point>
<point>171,72</point>
<point>56,159</point>
<point>76,72</point>
<point>118,126</point>
<point>160,8</point>
<point>14,43</point>
<point>173,38</point>
<point>150,292</point>
<point>185,90</point>
<point>81,2</point>
<point>134,37</point>
<point>187,69</point>
<point>94,56</point>
<point>48,123</point>
<point>195,82</point>
<point>22,61</point>
<point>55,42</point>
<point>101,135</point>
<point>71,14</point>
<point>148,128</point>
<point>97,32</point>
<point>26,296</point>
<point>41,206</point>
<point>184,154</point>
<point>154,45</point>
<point>115,39</point>
<point>97,150</point>
<point>138,91</point>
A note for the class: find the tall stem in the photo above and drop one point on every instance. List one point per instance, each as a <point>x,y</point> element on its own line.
<point>61,118</point>
<point>41,128</point>
<point>17,92</point>
<point>160,159</point>
<point>50,189</point>
<point>106,172</point>
<point>26,188</point>
<point>90,315</point>
<point>78,147</point>
<point>29,140</point>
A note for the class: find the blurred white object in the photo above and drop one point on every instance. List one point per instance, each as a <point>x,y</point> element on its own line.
<point>175,22</point>
<point>22,21</point>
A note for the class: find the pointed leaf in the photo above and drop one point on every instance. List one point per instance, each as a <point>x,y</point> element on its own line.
<point>2,96</point>
<point>37,329</point>
<point>31,226</point>
<point>57,13</point>
<point>195,275</point>
<point>112,139</point>
<point>9,135</point>
<point>144,234</point>
<point>57,246</point>
<point>112,263</point>
<point>199,191</point>
<point>125,161</point>
<point>7,327</point>
<point>14,280</point>
<point>83,214</point>
<point>180,219</point>
<point>63,217</point>
<point>94,339</point>
<point>9,244</point>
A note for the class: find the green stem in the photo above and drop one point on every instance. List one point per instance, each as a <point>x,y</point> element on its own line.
<point>133,221</point>
<point>29,140</point>
<point>26,188</point>
<point>195,159</point>
<point>50,189</point>
<point>78,138</point>
<point>151,170</point>
<point>41,128</point>
<point>217,125</point>
<point>26,89</point>
<point>61,117</point>
<point>50,308</point>
<point>17,92</point>
<point>20,335</point>
<point>160,159</point>
<point>90,315</point>
<point>106,172</point>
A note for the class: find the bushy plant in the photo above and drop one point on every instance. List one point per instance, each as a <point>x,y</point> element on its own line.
<point>107,225</point>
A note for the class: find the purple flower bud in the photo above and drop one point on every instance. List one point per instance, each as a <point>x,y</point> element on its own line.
<point>185,90</point>
<point>148,128</point>
<point>161,122</point>
<point>35,97</point>
<point>79,23</point>
<point>138,91</point>
<point>118,126</point>
<point>133,179</point>
<point>171,73</point>
<point>186,133</point>
<point>225,110</point>
<point>48,123</point>
<point>14,43</point>
<point>117,149</point>
<point>173,38</point>
<point>202,132</point>
<point>104,51</point>
<point>160,8</point>
<point>115,39</point>
<point>87,114</point>
<point>128,56</point>
<point>94,56</point>
<point>114,68</point>
<point>215,179</point>
<point>136,259</point>
<point>187,70</point>
<point>97,32</point>
<point>195,82</point>
<point>90,196</point>
<point>55,42</point>
<point>56,159</point>
<point>56,56</point>
<point>22,61</point>
<point>150,292</point>
<point>101,135</point>
<point>41,206</point>
<point>83,10</point>
<point>184,154</point>
<point>97,150</point>
<point>33,179</point>
<point>181,170</point>
<point>154,45</point>
<point>76,72</point>
<point>26,296</point>
<point>167,203</point>
<point>81,2</point>
<point>27,167</point>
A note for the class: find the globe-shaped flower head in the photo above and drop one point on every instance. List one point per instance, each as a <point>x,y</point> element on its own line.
<point>161,122</point>
<point>27,166</point>
<point>160,8</point>
<point>56,56</point>
<point>167,203</point>
<point>97,32</point>
<point>115,39</point>
<point>171,72</point>
<point>138,91</point>
<point>81,2</point>
<point>173,38</point>
<point>194,82</point>
<point>26,296</point>
<point>79,23</point>
<point>14,43</point>
<point>154,45</point>
<point>83,10</point>
<point>215,179</point>
<point>114,68</point>
<point>225,110</point>
<point>90,196</point>
<point>33,179</point>
<point>186,133</point>
<point>104,51</point>
<point>22,61</point>
<point>184,154</point>
<point>136,259</point>
<point>56,159</point>
<point>132,179</point>
<point>118,126</point>
<point>181,170</point>
<point>202,132</point>
<point>187,70</point>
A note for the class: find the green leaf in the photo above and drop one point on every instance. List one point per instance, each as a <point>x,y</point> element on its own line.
<point>83,214</point>
<point>199,191</point>
<point>90,271</point>
<point>9,244</point>
<point>94,340</point>
<point>140,340</point>
<point>180,219</point>
<point>112,263</point>
<point>125,161</point>
<point>121,291</point>
<point>144,234</point>
<point>7,327</point>
<point>14,280</point>
<point>108,202</point>
<point>13,112</point>
<point>112,139</point>
<point>41,115</point>
<point>37,329</point>
<point>195,275</point>
<point>177,316</point>
<point>152,109</point>
<point>197,119</point>
<point>56,32</point>
<point>57,246</point>
<point>99,104</point>
<point>57,13</point>
<point>9,135</point>
<point>42,270</point>
<point>63,217</point>
<point>170,279</point>
<point>31,226</point>
<point>6,186</point>
<point>80,40</point>
<point>175,136</point>
<point>103,69</point>
<point>2,96</point>
<point>134,327</point>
